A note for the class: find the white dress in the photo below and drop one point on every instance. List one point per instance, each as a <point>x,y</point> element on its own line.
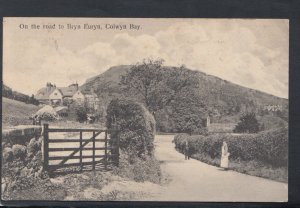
<point>224,157</point>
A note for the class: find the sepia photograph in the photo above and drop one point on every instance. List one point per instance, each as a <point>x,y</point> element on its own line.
<point>145,109</point>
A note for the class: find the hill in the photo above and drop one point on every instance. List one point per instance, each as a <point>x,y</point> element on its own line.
<point>16,113</point>
<point>220,99</point>
<point>9,93</point>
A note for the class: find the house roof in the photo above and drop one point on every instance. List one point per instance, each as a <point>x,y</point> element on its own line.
<point>45,92</point>
<point>67,91</point>
<point>89,93</point>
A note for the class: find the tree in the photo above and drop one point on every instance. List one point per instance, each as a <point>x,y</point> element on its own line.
<point>247,124</point>
<point>188,113</point>
<point>155,85</point>
<point>81,113</point>
<point>171,94</point>
<point>135,127</point>
<point>143,79</point>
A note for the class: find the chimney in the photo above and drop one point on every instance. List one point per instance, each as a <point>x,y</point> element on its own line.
<point>76,86</point>
<point>48,85</point>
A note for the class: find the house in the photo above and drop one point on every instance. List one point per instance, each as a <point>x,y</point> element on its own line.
<point>92,101</point>
<point>59,96</point>
<point>89,98</point>
<point>273,108</point>
<point>78,97</point>
<point>56,95</point>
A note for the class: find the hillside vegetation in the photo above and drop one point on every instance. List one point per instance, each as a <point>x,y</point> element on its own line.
<point>16,113</point>
<point>9,93</point>
<point>197,96</point>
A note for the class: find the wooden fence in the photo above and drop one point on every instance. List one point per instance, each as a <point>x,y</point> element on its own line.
<point>109,153</point>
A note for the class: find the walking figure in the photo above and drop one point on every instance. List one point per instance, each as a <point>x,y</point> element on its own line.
<point>224,156</point>
<point>186,150</point>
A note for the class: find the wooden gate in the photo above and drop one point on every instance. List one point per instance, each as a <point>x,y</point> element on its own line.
<point>78,150</point>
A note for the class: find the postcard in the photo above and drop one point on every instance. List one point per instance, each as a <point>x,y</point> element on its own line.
<point>145,109</point>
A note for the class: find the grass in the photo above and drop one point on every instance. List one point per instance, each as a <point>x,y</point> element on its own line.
<point>30,188</point>
<point>16,113</point>
<point>94,185</point>
<point>139,170</point>
<point>253,168</point>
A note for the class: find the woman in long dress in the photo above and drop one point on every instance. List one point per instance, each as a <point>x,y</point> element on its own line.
<point>224,157</point>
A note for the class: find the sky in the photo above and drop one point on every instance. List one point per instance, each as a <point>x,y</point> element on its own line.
<point>250,52</point>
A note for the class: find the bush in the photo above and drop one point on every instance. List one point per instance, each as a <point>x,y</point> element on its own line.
<point>270,147</point>
<point>19,151</point>
<point>47,113</point>
<point>135,125</point>
<point>140,170</point>
<point>33,147</point>
<point>30,188</point>
<point>7,154</point>
<point>81,113</point>
<point>248,124</point>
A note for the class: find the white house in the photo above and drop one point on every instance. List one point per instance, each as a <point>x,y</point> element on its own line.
<point>52,95</point>
<point>78,97</point>
<point>56,97</point>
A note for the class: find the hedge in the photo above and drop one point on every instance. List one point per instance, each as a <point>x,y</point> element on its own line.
<point>269,147</point>
<point>135,127</point>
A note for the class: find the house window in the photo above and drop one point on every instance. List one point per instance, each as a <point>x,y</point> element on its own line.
<point>55,93</point>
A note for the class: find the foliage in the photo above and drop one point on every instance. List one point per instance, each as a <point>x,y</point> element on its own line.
<point>81,113</point>
<point>248,124</point>
<point>252,167</point>
<point>67,102</point>
<point>47,113</point>
<point>188,114</point>
<point>7,154</point>
<point>143,80</point>
<point>33,147</point>
<point>19,151</point>
<point>9,93</point>
<point>135,127</point>
<point>221,99</point>
<point>162,88</point>
<point>156,85</point>
<point>269,122</point>
<point>140,170</point>
<point>270,147</point>
<point>31,188</point>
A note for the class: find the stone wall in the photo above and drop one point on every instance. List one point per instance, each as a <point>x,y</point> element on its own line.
<point>21,154</point>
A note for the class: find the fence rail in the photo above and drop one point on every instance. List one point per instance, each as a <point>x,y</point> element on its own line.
<point>109,157</point>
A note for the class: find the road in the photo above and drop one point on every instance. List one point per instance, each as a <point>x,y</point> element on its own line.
<point>192,180</point>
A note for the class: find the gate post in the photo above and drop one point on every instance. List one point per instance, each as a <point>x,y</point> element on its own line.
<point>105,151</point>
<point>94,147</point>
<point>80,146</point>
<point>46,147</point>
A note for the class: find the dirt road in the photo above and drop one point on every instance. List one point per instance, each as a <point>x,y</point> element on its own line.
<point>192,180</point>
